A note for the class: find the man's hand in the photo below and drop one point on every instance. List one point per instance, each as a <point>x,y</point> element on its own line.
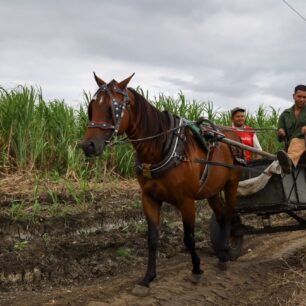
<point>304,129</point>
<point>282,133</point>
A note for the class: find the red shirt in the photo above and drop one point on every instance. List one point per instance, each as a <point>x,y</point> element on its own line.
<point>247,139</point>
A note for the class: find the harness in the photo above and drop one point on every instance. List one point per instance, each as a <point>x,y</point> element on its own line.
<point>175,151</point>
<point>118,108</point>
<point>207,138</point>
<point>175,145</point>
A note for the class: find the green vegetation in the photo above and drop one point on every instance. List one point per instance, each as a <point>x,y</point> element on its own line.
<point>42,137</point>
<point>17,211</point>
<point>21,245</point>
<point>123,252</point>
<point>39,142</point>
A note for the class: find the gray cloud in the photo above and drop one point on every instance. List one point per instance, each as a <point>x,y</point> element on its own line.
<point>226,51</point>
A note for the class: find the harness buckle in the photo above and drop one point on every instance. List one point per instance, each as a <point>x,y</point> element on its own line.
<point>146,170</point>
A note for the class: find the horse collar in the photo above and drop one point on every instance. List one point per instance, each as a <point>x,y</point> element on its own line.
<point>174,156</point>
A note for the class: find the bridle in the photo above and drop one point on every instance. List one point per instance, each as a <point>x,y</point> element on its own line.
<point>118,108</point>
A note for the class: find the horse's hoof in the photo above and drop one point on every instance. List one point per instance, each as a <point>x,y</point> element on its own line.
<point>139,290</point>
<point>196,278</point>
<point>223,265</point>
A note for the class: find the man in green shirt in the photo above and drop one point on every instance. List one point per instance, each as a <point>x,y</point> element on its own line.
<point>292,130</point>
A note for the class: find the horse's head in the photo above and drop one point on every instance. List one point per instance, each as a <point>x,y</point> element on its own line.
<point>108,115</point>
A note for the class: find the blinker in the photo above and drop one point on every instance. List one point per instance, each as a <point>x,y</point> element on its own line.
<point>117,109</point>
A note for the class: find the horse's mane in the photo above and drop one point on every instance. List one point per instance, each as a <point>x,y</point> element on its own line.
<point>149,120</point>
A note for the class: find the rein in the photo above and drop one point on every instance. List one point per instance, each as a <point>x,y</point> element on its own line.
<point>230,166</point>
<point>126,140</point>
<point>255,130</point>
<point>118,108</point>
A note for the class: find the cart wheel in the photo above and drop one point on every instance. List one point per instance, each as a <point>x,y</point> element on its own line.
<point>236,238</point>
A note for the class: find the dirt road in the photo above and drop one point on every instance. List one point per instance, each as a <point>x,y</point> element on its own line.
<point>95,258</point>
<point>271,272</point>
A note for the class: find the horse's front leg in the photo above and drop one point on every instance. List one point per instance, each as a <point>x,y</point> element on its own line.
<point>152,212</point>
<point>187,209</point>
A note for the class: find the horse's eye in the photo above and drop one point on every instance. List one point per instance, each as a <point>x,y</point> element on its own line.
<point>109,113</point>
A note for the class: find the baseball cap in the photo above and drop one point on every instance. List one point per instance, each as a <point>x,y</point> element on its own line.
<point>237,109</point>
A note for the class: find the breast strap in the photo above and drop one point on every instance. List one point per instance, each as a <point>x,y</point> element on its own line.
<point>175,153</point>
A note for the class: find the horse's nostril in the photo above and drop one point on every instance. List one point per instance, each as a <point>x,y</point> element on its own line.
<point>88,148</point>
<point>91,145</point>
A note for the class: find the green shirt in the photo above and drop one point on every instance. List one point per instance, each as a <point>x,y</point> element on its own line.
<point>291,124</point>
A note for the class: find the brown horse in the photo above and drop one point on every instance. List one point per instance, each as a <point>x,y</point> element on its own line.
<point>165,169</point>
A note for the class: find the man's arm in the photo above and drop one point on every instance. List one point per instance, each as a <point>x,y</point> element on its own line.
<point>257,145</point>
<point>281,136</point>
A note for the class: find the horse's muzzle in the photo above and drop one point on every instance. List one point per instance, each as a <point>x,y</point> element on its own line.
<point>93,147</point>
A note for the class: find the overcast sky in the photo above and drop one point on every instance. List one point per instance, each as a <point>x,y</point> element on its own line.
<point>234,53</point>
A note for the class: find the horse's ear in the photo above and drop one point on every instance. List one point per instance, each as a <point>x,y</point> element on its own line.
<point>125,82</point>
<point>99,81</point>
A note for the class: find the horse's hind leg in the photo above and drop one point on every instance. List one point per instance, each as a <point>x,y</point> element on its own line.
<point>152,212</point>
<point>218,206</point>
<point>224,211</point>
<point>188,216</point>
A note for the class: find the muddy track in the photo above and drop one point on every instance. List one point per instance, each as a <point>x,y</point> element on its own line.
<point>96,258</point>
<point>267,274</point>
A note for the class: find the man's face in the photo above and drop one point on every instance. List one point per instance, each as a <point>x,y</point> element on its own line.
<point>299,98</point>
<point>238,119</point>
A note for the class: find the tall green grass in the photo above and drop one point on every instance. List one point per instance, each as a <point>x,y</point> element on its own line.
<point>35,134</point>
<point>192,110</point>
<point>43,136</point>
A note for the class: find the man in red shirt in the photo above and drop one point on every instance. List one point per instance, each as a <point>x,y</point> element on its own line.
<point>245,132</point>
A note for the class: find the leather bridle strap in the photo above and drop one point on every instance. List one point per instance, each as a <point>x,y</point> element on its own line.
<point>101,125</point>
<point>118,108</point>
